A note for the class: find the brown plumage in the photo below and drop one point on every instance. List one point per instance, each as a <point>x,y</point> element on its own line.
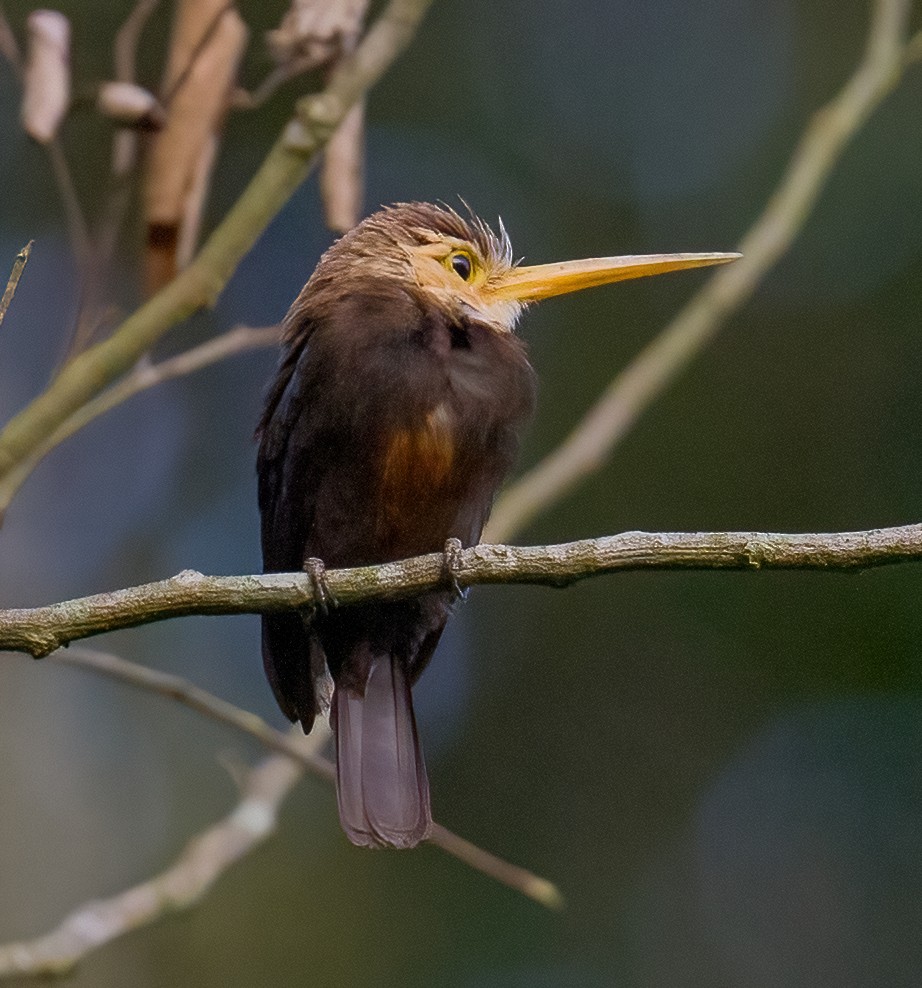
<point>392,420</point>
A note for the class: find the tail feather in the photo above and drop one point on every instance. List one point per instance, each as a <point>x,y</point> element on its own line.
<point>381,782</point>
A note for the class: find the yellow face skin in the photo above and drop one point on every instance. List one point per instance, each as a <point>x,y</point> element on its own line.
<point>454,273</point>
<point>457,276</point>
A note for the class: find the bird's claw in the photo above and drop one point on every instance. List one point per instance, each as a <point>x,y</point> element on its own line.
<point>451,565</point>
<point>323,596</point>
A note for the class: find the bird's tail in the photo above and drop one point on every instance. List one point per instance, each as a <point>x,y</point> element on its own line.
<point>381,782</point>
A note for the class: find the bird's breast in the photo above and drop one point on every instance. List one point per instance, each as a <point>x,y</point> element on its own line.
<point>420,482</point>
<point>418,457</point>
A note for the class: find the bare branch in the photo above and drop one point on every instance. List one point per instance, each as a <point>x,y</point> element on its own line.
<point>182,691</point>
<point>145,375</point>
<point>591,443</point>
<point>212,852</point>
<point>128,37</point>
<point>9,47</point>
<point>125,140</point>
<point>287,164</point>
<point>193,873</point>
<point>19,264</point>
<point>40,630</point>
<point>77,227</point>
<point>290,744</point>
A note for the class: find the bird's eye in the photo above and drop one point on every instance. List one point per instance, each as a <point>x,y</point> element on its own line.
<point>462,265</point>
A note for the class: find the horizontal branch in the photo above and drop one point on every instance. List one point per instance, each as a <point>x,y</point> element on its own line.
<point>40,630</point>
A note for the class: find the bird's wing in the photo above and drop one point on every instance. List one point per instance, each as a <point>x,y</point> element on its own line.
<point>288,470</point>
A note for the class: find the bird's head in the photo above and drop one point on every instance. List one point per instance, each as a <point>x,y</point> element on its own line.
<point>462,266</point>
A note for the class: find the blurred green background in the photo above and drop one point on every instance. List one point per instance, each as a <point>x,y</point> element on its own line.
<point>722,772</point>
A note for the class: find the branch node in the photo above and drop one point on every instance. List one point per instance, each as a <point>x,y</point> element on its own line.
<point>320,115</point>
<point>297,138</point>
<point>43,645</point>
<point>756,553</point>
<point>188,577</point>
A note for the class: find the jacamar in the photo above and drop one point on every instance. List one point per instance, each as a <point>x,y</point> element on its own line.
<point>393,418</point>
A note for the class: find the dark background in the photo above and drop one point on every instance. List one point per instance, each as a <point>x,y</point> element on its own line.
<point>722,772</point>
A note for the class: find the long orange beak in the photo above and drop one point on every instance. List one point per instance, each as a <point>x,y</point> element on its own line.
<point>530,284</point>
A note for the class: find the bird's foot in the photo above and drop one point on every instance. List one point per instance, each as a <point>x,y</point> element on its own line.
<point>451,565</point>
<point>323,596</point>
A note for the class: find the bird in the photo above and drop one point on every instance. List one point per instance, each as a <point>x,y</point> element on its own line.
<point>393,417</point>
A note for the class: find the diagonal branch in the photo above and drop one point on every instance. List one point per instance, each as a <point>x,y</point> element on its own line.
<point>290,744</point>
<point>209,854</point>
<point>205,858</point>
<point>283,170</point>
<point>40,630</point>
<point>887,54</point>
<point>145,375</point>
<point>212,852</point>
<point>22,258</point>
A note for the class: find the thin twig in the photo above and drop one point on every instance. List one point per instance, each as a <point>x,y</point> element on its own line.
<point>241,99</point>
<point>76,222</point>
<point>177,688</point>
<point>124,160</point>
<point>81,243</point>
<point>210,30</point>
<point>290,744</point>
<point>591,442</point>
<point>212,852</point>
<point>180,886</point>
<point>19,264</point>
<point>532,886</point>
<point>9,47</point>
<point>238,340</point>
<point>77,227</point>
<point>144,376</point>
<point>125,140</point>
<point>128,37</point>
<point>40,630</point>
